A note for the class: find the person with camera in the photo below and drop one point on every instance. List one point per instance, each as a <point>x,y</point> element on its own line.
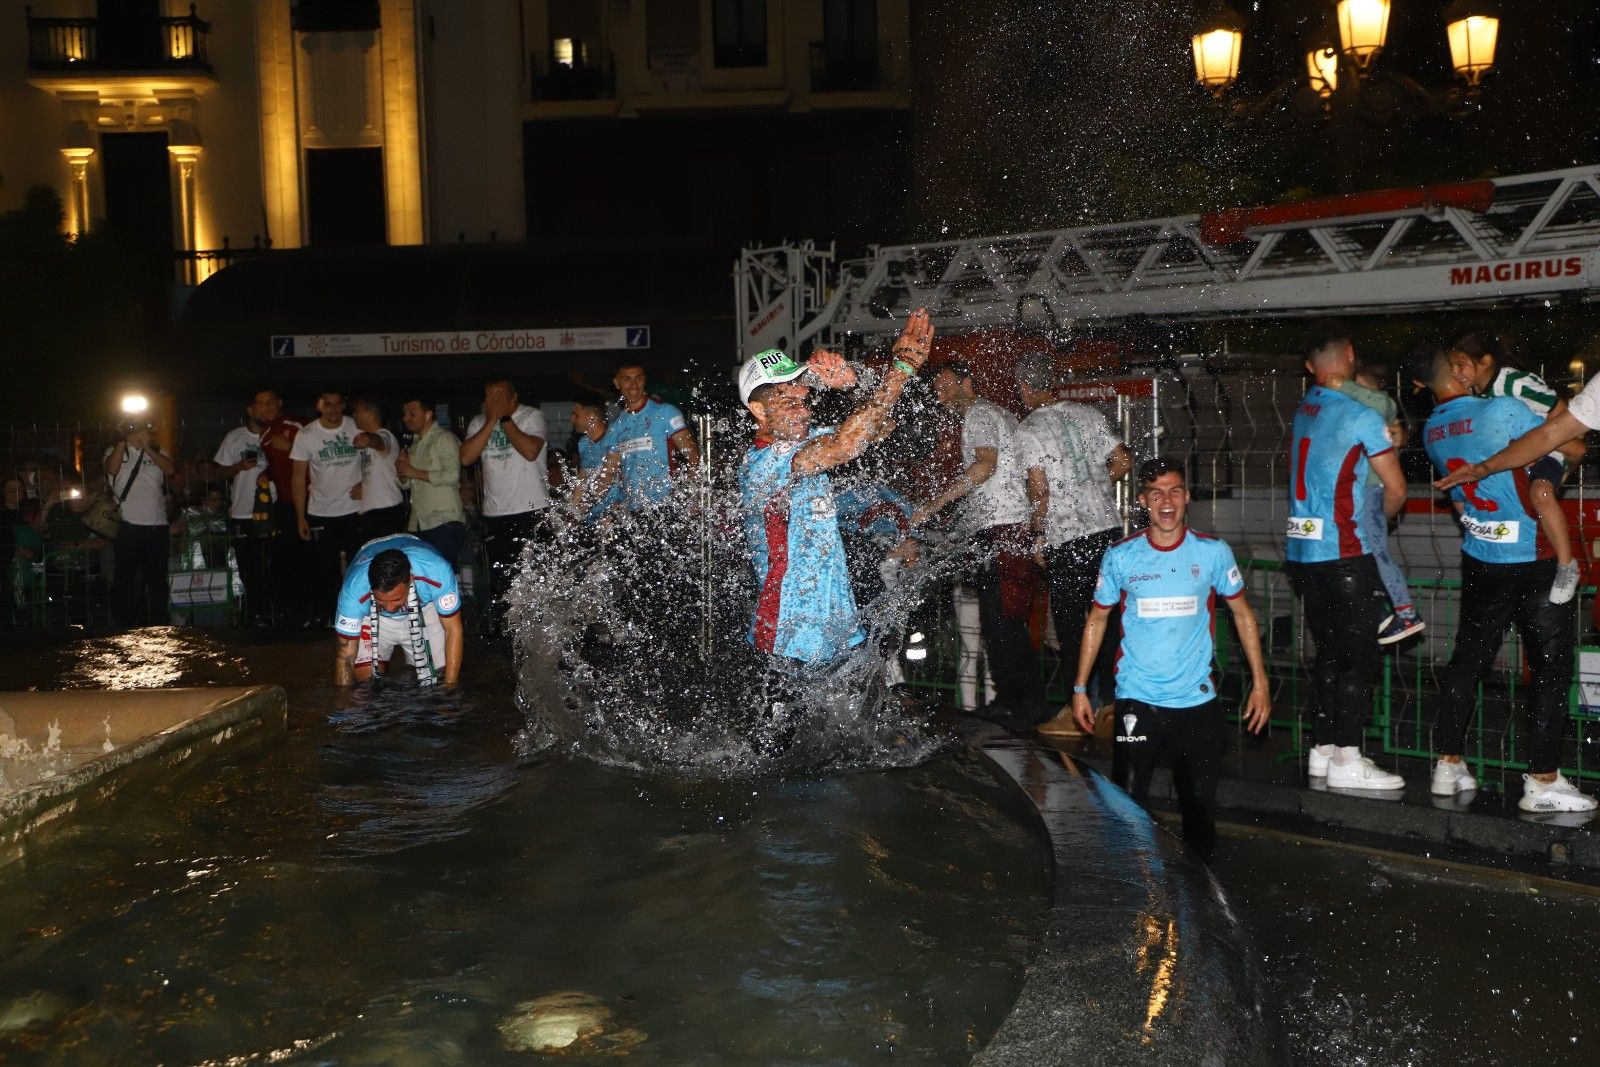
<point>136,473</point>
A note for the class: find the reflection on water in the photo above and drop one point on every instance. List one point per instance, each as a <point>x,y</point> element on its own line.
<point>394,884</point>
<point>152,658</point>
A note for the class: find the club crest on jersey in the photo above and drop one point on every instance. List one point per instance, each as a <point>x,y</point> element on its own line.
<point>1194,570</point>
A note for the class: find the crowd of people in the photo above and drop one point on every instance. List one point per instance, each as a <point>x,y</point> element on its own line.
<point>340,522</point>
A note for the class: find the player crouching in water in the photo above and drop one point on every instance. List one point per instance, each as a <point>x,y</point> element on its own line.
<point>398,592</point>
<point>1167,578</point>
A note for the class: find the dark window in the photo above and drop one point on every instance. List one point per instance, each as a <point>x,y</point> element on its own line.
<point>739,33</point>
<point>334,16</point>
<point>849,54</point>
<point>344,196</point>
<point>138,183</point>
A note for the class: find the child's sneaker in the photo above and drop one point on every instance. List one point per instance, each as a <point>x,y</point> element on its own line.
<point>1566,584</point>
<point>1400,626</point>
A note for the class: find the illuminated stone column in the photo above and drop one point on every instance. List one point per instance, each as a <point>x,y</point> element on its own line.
<point>185,152</point>
<point>78,148</point>
<point>280,135</point>
<point>402,132</point>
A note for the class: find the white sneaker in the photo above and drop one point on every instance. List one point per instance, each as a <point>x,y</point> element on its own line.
<point>1566,583</point>
<point>1317,757</point>
<point>1559,795</point>
<point>1351,770</point>
<point>1451,778</point>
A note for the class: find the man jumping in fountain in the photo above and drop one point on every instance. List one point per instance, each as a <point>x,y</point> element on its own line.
<point>399,592</point>
<point>805,610</point>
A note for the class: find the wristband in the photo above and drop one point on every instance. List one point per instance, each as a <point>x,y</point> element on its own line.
<point>1080,689</point>
<point>905,368</point>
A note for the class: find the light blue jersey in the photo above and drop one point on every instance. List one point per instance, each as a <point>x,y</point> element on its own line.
<point>641,439</point>
<point>1496,514</point>
<point>1168,599</point>
<point>591,457</point>
<point>431,576</point>
<point>1332,441</point>
<point>805,609</point>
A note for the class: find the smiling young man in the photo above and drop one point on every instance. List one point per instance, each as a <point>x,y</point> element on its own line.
<point>647,435</point>
<point>399,593</point>
<point>1166,579</point>
<point>805,608</point>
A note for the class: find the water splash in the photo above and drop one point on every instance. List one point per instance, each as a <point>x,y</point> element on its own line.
<point>632,651</point>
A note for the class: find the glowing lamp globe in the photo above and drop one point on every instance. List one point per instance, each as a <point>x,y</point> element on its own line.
<point>1322,70</point>
<point>1363,28</point>
<point>134,404</point>
<point>1217,41</point>
<point>1473,29</point>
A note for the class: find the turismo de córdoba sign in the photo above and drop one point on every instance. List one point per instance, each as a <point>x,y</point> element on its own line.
<point>460,342</point>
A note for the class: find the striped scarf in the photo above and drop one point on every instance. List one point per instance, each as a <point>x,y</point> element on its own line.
<point>421,651</point>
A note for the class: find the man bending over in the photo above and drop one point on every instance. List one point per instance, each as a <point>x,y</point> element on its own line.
<point>400,593</point>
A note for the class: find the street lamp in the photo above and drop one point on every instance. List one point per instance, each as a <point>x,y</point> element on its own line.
<point>1322,69</point>
<point>1363,29</point>
<point>1217,40</point>
<point>1473,27</point>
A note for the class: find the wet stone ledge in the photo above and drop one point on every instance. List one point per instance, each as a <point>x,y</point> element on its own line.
<point>62,753</point>
<point>1142,960</point>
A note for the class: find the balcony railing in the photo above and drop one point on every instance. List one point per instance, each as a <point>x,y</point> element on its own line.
<point>196,265</point>
<point>587,79</point>
<point>92,44</point>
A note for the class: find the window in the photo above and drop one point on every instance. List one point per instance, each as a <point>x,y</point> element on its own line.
<point>739,33</point>
<point>344,197</point>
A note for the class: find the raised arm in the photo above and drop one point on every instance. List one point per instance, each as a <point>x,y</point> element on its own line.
<point>862,426</point>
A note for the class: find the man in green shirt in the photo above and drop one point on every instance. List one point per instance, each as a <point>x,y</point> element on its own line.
<point>431,470</point>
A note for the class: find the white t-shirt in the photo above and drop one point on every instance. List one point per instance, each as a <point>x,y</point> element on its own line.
<point>380,485</point>
<point>238,444</point>
<point>1071,443</point>
<point>1003,499</point>
<point>146,504</point>
<point>511,484</point>
<point>335,466</point>
<point>1585,407</point>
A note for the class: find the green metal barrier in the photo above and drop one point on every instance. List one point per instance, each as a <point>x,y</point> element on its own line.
<point>1403,701</point>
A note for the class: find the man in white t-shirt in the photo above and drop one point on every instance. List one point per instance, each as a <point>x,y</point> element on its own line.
<point>327,466</point>
<point>1072,463</point>
<point>507,438</point>
<point>382,506</point>
<point>240,458</point>
<point>995,509</point>
<point>136,474</point>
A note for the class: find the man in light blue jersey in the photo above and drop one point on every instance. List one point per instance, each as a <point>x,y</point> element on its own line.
<point>399,592</point>
<point>598,462</point>
<point>1334,442</point>
<point>1507,567</point>
<point>805,609</point>
<point>1166,579</point>
<point>652,441</point>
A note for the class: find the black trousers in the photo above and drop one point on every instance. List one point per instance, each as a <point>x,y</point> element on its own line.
<point>139,588</point>
<point>1004,581</point>
<point>1344,603</point>
<point>1493,595</point>
<point>251,553</point>
<point>381,522</point>
<point>504,536</point>
<point>290,566</point>
<point>1072,569</point>
<point>332,536</point>
<point>1188,740</point>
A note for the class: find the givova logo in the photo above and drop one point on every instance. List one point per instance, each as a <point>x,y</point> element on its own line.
<point>1128,723</point>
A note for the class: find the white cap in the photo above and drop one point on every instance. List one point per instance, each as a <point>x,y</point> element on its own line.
<point>766,368</point>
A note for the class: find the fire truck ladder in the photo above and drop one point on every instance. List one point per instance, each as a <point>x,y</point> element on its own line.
<point>1521,239</point>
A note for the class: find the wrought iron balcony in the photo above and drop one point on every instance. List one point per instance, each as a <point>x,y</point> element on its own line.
<point>97,44</point>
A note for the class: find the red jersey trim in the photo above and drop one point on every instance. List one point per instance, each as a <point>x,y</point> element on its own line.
<point>1175,545</point>
<point>770,602</point>
<point>1344,504</point>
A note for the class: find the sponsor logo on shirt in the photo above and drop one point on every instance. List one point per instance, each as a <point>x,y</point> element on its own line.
<point>1143,578</point>
<point>347,623</point>
<point>1303,528</point>
<point>635,444</point>
<point>1491,531</point>
<point>676,423</point>
<point>1167,607</point>
<point>1234,577</point>
<point>1128,723</point>
<point>448,603</point>
<point>822,507</point>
